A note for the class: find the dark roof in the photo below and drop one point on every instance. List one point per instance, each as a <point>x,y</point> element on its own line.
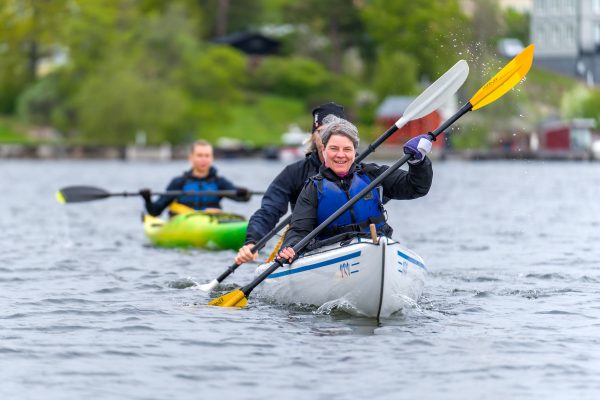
<point>250,43</point>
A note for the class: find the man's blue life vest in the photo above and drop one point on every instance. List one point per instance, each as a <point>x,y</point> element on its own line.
<point>200,202</point>
<point>366,211</point>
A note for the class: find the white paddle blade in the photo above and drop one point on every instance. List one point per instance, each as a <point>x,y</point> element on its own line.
<point>437,94</point>
<point>207,287</point>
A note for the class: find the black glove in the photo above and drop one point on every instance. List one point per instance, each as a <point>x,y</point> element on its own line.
<point>243,194</point>
<point>146,195</point>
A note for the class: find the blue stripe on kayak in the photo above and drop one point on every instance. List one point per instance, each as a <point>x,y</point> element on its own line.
<point>356,270</point>
<point>356,263</point>
<point>314,266</point>
<point>412,260</point>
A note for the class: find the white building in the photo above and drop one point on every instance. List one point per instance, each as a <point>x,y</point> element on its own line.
<point>566,34</point>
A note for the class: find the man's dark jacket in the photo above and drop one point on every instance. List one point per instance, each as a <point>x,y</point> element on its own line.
<point>284,190</point>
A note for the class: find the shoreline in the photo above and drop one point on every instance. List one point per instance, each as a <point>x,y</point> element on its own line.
<point>167,153</point>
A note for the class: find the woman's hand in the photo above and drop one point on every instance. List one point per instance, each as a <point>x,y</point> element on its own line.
<point>287,254</point>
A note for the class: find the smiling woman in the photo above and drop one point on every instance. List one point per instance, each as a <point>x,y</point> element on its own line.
<point>340,141</point>
<point>340,178</point>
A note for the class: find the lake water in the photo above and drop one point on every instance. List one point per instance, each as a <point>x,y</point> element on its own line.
<point>511,306</point>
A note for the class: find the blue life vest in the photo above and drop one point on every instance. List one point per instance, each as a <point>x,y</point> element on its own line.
<point>366,211</point>
<point>200,202</point>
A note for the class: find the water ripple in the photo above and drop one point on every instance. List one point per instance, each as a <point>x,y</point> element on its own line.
<point>129,328</point>
<point>182,283</point>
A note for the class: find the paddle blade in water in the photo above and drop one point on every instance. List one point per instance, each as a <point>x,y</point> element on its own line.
<point>78,194</point>
<point>60,197</point>
<point>506,79</point>
<point>237,298</point>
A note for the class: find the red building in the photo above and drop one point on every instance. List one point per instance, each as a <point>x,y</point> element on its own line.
<point>575,135</point>
<point>392,108</point>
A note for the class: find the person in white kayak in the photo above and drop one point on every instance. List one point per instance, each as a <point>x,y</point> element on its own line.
<point>339,179</point>
<point>286,187</point>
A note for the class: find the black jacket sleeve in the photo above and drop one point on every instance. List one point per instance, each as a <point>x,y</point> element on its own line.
<point>403,185</point>
<point>304,217</point>
<point>274,204</point>
<point>157,207</point>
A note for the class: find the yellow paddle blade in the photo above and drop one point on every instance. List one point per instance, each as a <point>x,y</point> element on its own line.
<point>60,197</point>
<point>237,298</point>
<point>506,79</point>
<point>178,208</point>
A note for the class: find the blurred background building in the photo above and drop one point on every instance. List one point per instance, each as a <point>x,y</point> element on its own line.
<point>567,37</point>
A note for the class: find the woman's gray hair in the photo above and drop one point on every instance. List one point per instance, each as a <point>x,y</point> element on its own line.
<point>329,118</point>
<point>339,126</point>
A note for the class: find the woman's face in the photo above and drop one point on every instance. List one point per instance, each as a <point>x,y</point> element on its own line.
<point>339,154</point>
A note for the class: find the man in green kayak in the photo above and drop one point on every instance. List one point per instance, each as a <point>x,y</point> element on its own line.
<point>201,177</point>
<point>340,179</point>
<point>286,187</point>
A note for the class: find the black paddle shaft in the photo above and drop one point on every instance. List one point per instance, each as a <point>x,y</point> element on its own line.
<point>78,194</point>
<point>304,242</point>
<point>224,193</point>
<point>259,245</point>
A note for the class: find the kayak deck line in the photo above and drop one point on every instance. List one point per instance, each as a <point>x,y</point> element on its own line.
<point>317,265</point>
<point>412,260</point>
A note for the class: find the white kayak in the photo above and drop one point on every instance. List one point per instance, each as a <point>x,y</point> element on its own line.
<point>361,277</point>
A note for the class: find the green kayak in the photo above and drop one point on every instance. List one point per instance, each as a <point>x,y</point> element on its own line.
<point>213,230</point>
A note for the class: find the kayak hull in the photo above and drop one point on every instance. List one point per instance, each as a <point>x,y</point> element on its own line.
<point>362,278</point>
<point>206,230</point>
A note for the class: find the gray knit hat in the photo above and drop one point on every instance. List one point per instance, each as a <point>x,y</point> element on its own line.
<point>339,126</point>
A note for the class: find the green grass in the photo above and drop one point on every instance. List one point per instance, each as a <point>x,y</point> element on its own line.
<point>262,120</point>
<point>11,133</point>
<point>547,86</point>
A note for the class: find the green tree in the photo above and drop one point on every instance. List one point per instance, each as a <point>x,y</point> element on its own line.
<point>41,99</point>
<point>432,31</point>
<point>395,74</point>
<point>581,102</point>
<point>517,25</point>
<point>336,21</point>
<point>228,16</point>
<point>28,31</point>
<point>113,113</point>
<point>294,76</point>
<point>137,66</point>
<point>487,25</point>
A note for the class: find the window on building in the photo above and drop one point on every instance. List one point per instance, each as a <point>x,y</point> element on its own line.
<point>540,5</point>
<point>559,35</point>
<point>539,36</point>
<point>552,35</point>
<point>570,34</point>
